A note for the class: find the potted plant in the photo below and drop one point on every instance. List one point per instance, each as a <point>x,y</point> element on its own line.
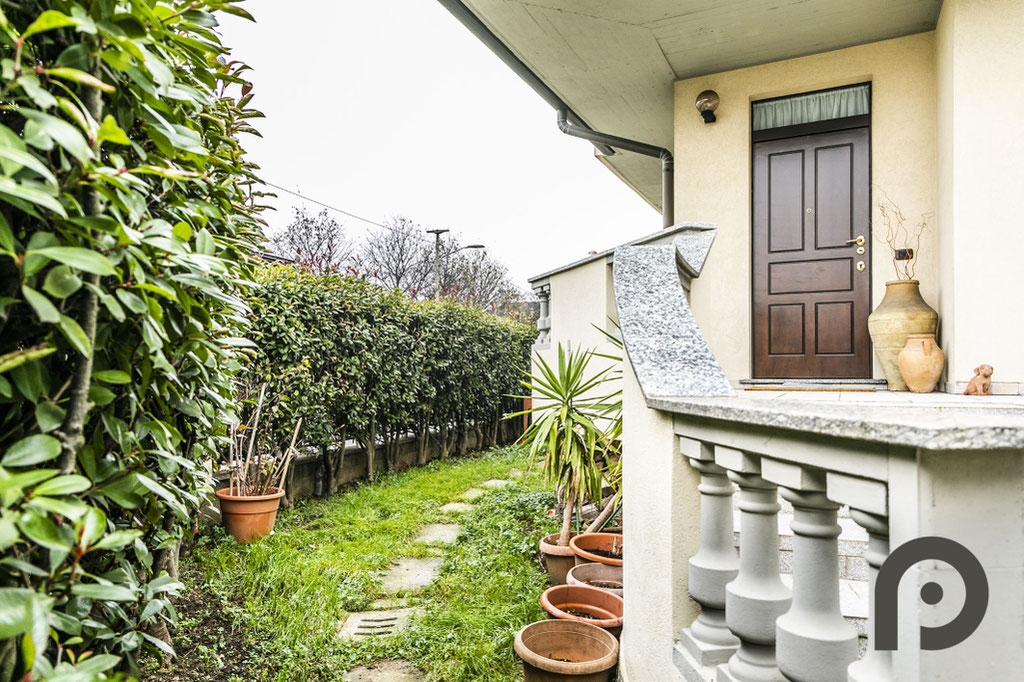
<point>902,311</point>
<point>248,505</point>
<point>566,650</point>
<point>584,603</point>
<point>566,435</point>
<point>600,548</point>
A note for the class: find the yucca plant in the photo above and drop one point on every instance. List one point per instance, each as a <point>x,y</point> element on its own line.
<point>565,433</point>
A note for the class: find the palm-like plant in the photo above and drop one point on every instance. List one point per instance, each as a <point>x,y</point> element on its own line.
<point>565,431</point>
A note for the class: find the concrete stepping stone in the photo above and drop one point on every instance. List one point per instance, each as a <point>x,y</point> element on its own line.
<point>456,507</point>
<point>365,624</point>
<point>409,574</point>
<point>444,533</point>
<point>386,671</point>
<point>472,494</point>
<point>496,483</point>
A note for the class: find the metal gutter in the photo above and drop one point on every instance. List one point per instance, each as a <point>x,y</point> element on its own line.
<point>569,122</point>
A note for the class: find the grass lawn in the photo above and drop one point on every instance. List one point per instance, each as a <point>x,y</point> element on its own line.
<point>271,610</point>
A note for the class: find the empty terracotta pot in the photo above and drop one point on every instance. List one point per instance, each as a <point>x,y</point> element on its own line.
<point>921,362</point>
<point>601,576</point>
<point>566,650</point>
<point>584,547</point>
<point>557,559</point>
<point>584,603</point>
<point>249,518</point>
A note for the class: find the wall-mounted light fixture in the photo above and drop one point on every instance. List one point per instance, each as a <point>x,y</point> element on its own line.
<point>706,103</point>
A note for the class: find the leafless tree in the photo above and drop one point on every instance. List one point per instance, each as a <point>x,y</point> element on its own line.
<point>398,257</point>
<point>316,241</point>
<point>483,281</point>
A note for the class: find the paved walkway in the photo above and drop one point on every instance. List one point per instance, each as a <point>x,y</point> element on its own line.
<point>407,577</point>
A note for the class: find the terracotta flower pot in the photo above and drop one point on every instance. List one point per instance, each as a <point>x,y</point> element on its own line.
<point>601,576</point>
<point>584,603</point>
<point>921,362</point>
<point>901,313</point>
<point>584,547</point>
<point>249,518</point>
<point>566,650</point>
<point>557,559</point>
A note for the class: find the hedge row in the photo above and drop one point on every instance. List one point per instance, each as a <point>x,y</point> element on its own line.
<point>127,227</point>
<point>357,361</point>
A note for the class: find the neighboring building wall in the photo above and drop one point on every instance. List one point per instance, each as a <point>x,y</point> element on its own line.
<point>715,161</point>
<point>981,174</point>
<point>581,298</point>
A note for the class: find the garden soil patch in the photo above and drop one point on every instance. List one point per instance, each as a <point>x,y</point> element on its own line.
<point>209,645</point>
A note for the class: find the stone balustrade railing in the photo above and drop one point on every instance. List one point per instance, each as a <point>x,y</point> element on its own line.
<point>751,626</point>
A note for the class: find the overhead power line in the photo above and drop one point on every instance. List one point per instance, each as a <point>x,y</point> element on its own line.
<point>328,206</point>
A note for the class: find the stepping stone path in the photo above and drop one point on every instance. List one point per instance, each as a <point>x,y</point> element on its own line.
<point>495,483</point>
<point>387,671</point>
<point>444,533</point>
<point>456,507</point>
<point>472,494</point>
<point>372,623</point>
<point>410,574</point>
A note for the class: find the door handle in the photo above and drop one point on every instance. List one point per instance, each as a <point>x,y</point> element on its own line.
<point>859,240</point>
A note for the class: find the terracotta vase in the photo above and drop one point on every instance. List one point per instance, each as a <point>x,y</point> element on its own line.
<point>583,545</point>
<point>554,650</point>
<point>601,576</point>
<point>584,603</point>
<point>558,559</point>
<point>921,362</point>
<point>901,313</point>
<point>248,518</point>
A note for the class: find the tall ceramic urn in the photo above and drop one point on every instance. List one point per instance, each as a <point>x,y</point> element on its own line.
<point>901,313</point>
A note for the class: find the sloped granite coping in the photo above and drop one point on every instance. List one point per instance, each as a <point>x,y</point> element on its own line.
<point>666,348</point>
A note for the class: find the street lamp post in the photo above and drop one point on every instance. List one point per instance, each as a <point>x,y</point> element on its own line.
<point>437,258</point>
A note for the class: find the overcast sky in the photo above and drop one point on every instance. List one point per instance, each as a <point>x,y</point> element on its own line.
<point>394,108</point>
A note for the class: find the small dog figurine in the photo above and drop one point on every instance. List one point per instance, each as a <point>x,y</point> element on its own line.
<point>981,382</point>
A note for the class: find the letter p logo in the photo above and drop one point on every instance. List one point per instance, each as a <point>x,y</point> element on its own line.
<point>888,582</point>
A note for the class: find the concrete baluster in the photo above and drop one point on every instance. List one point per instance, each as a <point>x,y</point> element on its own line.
<point>876,666</point>
<point>708,639</point>
<point>757,596</point>
<point>815,643</point>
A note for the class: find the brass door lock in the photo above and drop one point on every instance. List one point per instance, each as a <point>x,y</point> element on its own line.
<point>860,266</point>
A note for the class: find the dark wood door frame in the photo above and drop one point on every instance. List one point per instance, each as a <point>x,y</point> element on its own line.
<point>863,347</point>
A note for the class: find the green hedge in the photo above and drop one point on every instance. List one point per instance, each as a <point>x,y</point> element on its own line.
<point>127,230</point>
<point>357,361</point>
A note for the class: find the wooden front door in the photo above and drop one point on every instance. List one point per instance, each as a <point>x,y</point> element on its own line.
<point>811,287</point>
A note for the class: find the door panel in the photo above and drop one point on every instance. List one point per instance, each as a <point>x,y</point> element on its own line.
<point>811,197</point>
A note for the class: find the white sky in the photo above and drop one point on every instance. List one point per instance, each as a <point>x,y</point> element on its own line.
<point>394,108</point>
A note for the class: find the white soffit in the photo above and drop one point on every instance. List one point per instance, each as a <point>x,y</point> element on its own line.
<point>614,61</point>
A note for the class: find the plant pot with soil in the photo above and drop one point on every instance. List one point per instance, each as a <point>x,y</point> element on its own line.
<point>601,576</point>
<point>584,603</point>
<point>602,548</point>
<point>558,559</point>
<point>249,504</point>
<point>554,650</point>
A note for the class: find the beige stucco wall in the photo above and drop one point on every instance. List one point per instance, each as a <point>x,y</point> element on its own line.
<point>714,169</point>
<point>981,175</point>
<point>661,521</point>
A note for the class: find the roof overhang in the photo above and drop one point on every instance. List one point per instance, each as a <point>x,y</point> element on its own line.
<point>614,61</point>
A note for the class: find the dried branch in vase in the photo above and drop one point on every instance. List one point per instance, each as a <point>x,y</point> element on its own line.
<point>903,239</point>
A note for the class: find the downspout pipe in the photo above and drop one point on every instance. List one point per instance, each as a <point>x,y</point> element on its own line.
<point>667,163</point>
<point>569,122</point>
